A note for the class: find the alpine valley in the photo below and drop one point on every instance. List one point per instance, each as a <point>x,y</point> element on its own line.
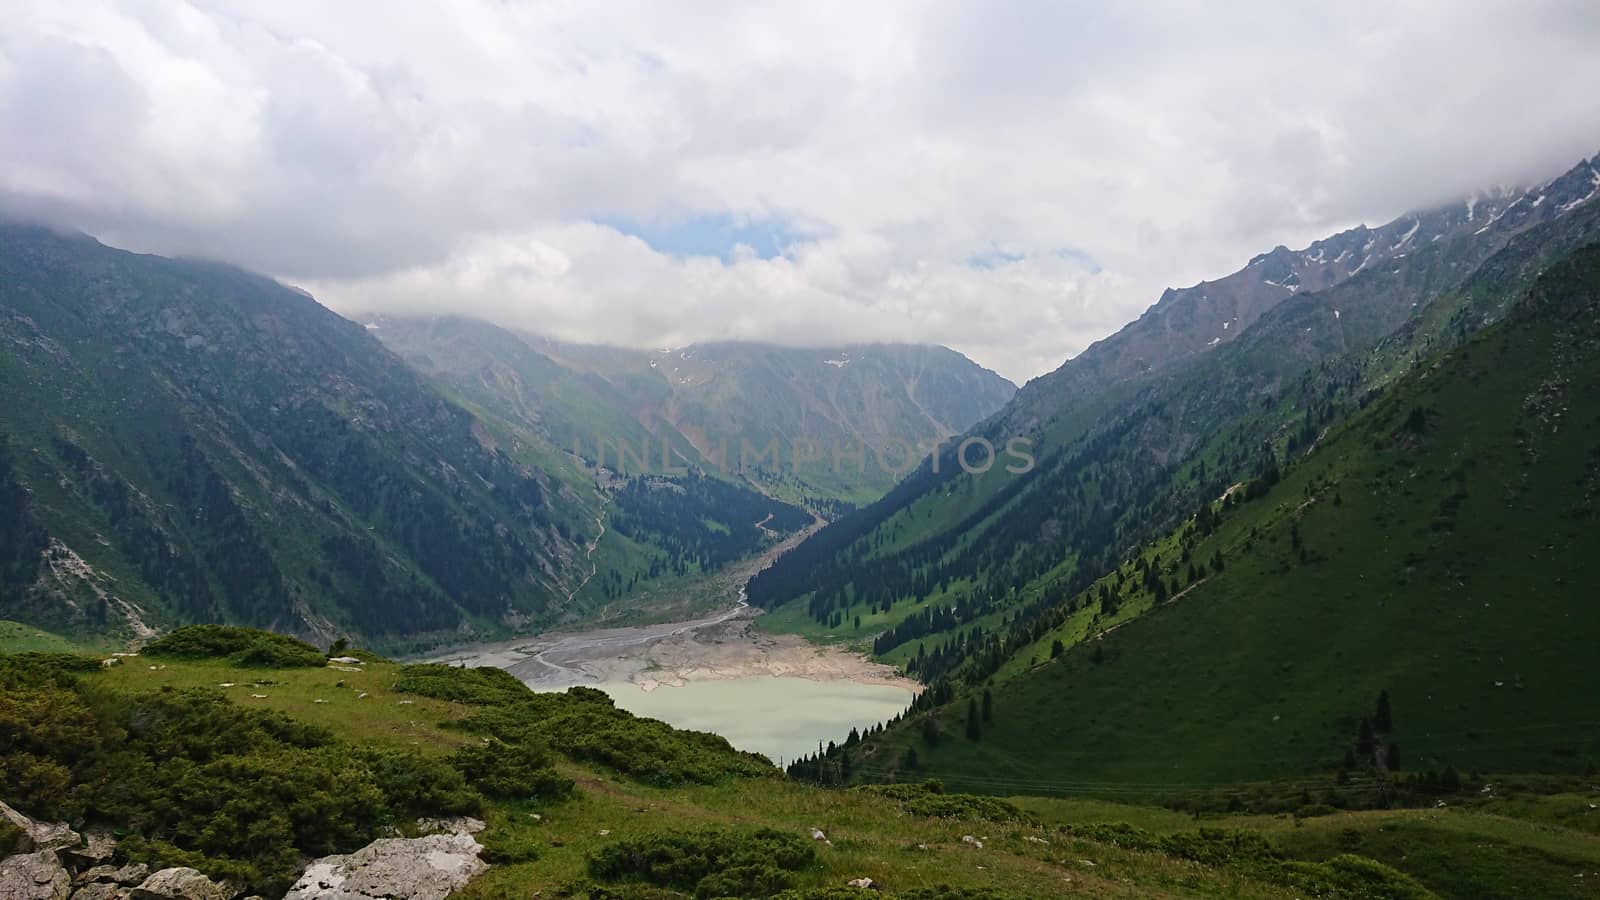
<point>1295,599</point>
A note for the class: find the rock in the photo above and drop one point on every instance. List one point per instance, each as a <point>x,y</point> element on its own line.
<point>181,883</point>
<point>33,876</point>
<point>127,875</point>
<point>817,835</point>
<point>97,873</point>
<point>96,848</point>
<point>866,884</point>
<point>345,660</point>
<point>100,890</point>
<point>451,825</point>
<point>424,868</point>
<point>1035,840</point>
<point>969,839</point>
<point>40,835</point>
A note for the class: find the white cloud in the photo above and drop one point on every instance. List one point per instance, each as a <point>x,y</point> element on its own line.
<point>430,156</point>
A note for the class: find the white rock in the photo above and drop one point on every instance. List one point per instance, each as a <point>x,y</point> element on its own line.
<point>969,839</point>
<point>181,883</point>
<point>425,868</point>
<point>863,883</point>
<point>34,876</point>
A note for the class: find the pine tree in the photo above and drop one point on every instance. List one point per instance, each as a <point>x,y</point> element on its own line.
<point>988,706</point>
<point>911,761</point>
<point>1057,648</point>
<point>1450,780</point>
<point>1393,758</point>
<point>1383,720</point>
<point>930,731</point>
<point>1366,741</point>
<point>974,729</point>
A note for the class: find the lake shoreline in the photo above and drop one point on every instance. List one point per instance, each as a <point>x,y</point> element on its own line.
<point>723,646</point>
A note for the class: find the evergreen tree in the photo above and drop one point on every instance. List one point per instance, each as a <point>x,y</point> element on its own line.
<point>911,761</point>
<point>930,731</point>
<point>1366,741</point>
<point>974,729</point>
<point>1450,780</point>
<point>988,706</point>
<point>1057,648</point>
<point>1393,757</point>
<point>1383,720</point>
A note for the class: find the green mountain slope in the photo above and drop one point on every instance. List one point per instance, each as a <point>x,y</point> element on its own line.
<point>188,442</point>
<point>1439,547</point>
<point>1124,448</point>
<point>824,424</point>
<point>606,421</point>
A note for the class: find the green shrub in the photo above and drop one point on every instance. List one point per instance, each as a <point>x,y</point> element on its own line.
<point>1315,810</point>
<point>711,862</point>
<point>247,647</point>
<point>946,892</point>
<point>503,847</point>
<point>1116,834</point>
<point>11,838</point>
<point>512,771</point>
<point>930,800</point>
<point>1350,877</point>
<point>419,784</point>
<point>1219,847</point>
<point>829,894</point>
<point>241,794</point>
<point>584,724</point>
<point>481,686</point>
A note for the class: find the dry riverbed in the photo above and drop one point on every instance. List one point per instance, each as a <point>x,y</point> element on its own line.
<point>723,646</point>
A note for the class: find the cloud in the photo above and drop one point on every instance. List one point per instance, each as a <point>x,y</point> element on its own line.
<point>1014,180</point>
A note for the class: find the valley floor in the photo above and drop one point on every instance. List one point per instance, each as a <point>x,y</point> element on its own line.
<point>726,645</point>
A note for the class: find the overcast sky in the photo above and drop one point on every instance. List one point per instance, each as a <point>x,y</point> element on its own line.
<point>1012,179</point>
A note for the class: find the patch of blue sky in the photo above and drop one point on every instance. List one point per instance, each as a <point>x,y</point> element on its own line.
<point>716,235</point>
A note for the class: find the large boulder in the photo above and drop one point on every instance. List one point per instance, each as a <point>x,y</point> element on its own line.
<point>424,868</point>
<point>40,835</point>
<point>101,890</point>
<point>128,875</point>
<point>181,883</point>
<point>97,848</point>
<point>34,876</point>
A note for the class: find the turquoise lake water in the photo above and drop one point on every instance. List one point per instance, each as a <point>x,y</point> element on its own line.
<point>781,718</point>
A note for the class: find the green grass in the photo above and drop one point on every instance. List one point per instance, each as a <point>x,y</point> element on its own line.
<point>1029,851</point>
<point>15,637</point>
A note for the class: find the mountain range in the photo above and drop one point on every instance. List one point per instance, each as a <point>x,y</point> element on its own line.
<point>187,442</point>
<point>1137,431</point>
